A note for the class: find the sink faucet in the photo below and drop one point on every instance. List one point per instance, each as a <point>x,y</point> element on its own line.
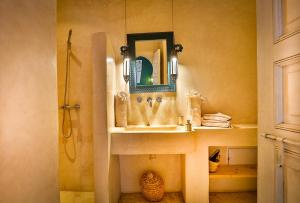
<point>149,100</point>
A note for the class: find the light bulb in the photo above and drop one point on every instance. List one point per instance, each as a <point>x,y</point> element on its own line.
<point>126,67</point>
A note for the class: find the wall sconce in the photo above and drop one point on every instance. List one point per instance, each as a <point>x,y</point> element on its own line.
<point>174,61</point>
<point>126,63</point>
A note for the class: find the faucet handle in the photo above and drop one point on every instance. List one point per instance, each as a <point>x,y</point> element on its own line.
<point>139,99</point>
<point>159,99</point>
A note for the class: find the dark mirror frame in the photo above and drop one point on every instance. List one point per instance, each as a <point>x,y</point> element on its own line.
<point>131,39</point>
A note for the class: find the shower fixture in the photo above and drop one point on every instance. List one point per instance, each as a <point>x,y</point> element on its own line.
<point>69,39</point>
<point>66,106</point>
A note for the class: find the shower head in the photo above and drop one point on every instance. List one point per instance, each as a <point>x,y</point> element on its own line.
<point>69,37</point>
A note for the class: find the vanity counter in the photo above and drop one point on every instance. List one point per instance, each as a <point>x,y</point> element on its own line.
<point>234,126</point>
<point>178,140</point>
<point>129,142</point>
<point>124,130</point>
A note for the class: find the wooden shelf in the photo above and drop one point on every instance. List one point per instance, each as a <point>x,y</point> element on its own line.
<point>233,178</point>
<point>235,171</point>
<point>172,197</point>
<point>234,126</point>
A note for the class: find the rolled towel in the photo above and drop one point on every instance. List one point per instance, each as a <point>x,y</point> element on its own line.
<point>196,117</point>
<point>194,107</point>
<point>217,117</point>
<point>121,100</point>
<point>195,101</point>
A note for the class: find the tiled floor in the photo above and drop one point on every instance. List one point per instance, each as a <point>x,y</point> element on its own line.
<point>226,197</point>
<point>232,197</point>
<point>76,197</point>
<point>138,198</point>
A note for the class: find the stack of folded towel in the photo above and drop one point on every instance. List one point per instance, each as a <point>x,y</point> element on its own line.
<point>216,120</point>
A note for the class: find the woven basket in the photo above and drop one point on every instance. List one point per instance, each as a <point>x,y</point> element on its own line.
<point>152,186</point>
<point>213,166</point>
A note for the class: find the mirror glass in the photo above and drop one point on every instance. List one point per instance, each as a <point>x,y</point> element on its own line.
<point>151,62</point>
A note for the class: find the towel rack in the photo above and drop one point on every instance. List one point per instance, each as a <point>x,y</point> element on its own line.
<point>280,180</point>
<point>284,140</point>
<point>280,139</point>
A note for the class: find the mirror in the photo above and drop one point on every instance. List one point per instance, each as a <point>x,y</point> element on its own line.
<point>150,55</point>
<point>151,62</point>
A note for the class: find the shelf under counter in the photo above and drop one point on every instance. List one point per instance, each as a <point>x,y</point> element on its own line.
<point>233,178</point>
<point>235,171</point>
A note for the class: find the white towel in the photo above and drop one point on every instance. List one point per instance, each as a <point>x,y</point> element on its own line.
<point>121,109</point>
<point>217,117</point>
<point>196,117</point>
<point>194,108</point>
<point>210,123</point>
<point>216,120</point>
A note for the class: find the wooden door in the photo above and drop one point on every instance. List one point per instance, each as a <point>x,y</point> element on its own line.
<point>278,51</point>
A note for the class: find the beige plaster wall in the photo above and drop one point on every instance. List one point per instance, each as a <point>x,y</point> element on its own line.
<point>219,57</point>
<point>76,153</point>
<point>114,163</point>
<point>100,120</point>
<point>133,166</point>
<point>106,165</point>
<point>28,92</point>
<point>163,113</point>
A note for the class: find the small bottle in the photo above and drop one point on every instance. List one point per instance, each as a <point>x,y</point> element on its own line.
<point>188,125</point>
<point>180,121</point>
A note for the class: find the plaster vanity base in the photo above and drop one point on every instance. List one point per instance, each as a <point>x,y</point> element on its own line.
<point>196,163</point>
<point>192,145</point>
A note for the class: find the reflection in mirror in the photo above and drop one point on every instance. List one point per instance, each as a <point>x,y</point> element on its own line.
<point>150,58</point>
<point>151,62</point>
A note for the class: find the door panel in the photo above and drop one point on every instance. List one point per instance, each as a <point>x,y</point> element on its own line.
<point>287,93</point>
<point>290,15</point>
<point>292,177</point>
<point>278,53</point>
<point>286,18</point>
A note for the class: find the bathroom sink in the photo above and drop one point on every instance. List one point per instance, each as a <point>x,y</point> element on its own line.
<point>154,139</point>
<point>151,128</point>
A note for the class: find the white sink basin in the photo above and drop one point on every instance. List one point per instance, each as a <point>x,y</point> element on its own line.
<point>151,128</point>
